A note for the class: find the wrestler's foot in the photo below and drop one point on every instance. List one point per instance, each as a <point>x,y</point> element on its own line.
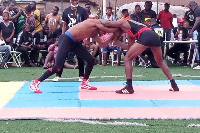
<point>35,86</point>
<point>85,85</point>
<point>174,86</point>
<point>125,90</point>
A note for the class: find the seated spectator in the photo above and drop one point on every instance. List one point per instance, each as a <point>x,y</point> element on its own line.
<point>91,46</point>
<point>51,56</point>
<point>7,30</point>
<point>180,32</point>
<point>57,32</point>
<point>25,44</point>
<point>109,48</point>
<point>30,20</point>
<point>43,39</point>
<point>6,49</point>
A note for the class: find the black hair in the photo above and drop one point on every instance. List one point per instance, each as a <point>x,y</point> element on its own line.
<point>57,8</point>
<point>109,8</point>
<point>45,26</point>
<point>137,6</point>
<point>124,10</point>
<point>33,2</point>
<point>87,4</point>
<point>148,2</point>
<point>28,8</point>
<point>7,13</point>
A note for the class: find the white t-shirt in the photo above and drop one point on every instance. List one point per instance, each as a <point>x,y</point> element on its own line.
<point>1,19</point>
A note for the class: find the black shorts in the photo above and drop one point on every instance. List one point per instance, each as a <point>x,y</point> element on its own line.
<point>149,38</point>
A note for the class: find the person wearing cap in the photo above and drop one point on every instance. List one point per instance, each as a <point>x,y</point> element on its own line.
<point>165,18</point>
<point>193,6</point>
<point>174,52</point>
<point>147,12</point>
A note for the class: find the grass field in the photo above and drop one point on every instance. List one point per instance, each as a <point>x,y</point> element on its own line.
<point>99,73</point>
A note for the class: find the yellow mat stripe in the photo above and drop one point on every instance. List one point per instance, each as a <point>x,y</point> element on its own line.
<point>8,90</point>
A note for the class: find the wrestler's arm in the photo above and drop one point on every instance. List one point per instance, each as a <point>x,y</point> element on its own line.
<point>106,29</point>
<point>101,43</point>
<point>124,46</point>
<point>116,24</point>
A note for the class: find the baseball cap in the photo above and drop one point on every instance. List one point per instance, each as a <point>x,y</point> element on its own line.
<point>148,2</point>
<point>167,3</point>
<point>180,20</point>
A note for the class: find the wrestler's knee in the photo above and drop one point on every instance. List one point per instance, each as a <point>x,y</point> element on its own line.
<point>55,69</point>
<point>127,59</point>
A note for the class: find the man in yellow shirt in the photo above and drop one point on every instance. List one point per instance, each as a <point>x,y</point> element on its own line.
<point>36,14</point>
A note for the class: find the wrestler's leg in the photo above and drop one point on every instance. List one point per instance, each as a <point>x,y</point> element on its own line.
<point>132,53</point>
<point>157,52</point>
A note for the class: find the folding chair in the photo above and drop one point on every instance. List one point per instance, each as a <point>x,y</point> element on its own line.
<point>1,59</point>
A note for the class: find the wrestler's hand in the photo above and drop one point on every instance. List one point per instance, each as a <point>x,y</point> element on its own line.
<point>103,21</point>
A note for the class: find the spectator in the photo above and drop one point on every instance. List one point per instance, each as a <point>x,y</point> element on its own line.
<point>19,20</point>
<point>30,20</point>
<point>37,15</point>
<point>9,9</point>
<point>43,39</point>
<point>25,44</point>
<point>136,16</point>
<point>51,56</point>
<point>147,12</point>
<point>158,29</point>
<point>57,32</point>
<point>189,16</point>
<point>174,21</point>
<point>109,15</point>
<point>124,36</point>
<point>7,30</point>
<point>125,14</point>
<point>174,52</point>
<point>2,8</point>
<point>109,48</point>
<point>91,46</point>
<point>193,6</point>
<point>6,49</point>
<point>43,17</point>
<point>88,8</point>
<point>53,20</point>
<point>72,16</point>
<point>165,18</point>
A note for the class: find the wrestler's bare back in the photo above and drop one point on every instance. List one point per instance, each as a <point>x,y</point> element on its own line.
<point>85,29</point>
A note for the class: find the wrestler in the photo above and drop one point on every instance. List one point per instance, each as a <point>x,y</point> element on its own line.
<point>145,38</point>
<point>69,42</point>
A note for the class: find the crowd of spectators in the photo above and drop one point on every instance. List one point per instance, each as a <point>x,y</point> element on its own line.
<point>35,34</point>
